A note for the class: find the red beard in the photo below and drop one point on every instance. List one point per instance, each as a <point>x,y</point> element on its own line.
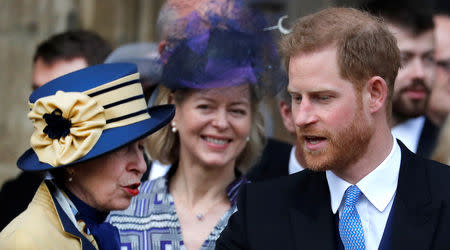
<point>343,147</point>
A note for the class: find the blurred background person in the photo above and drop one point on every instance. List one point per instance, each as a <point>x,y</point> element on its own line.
<point>58,55</point>
<point>412,26</point>
<point>89,130</point>
<point>215,137</point>
<point>439,104</point>
<point>66,52</point>
<point>279,158</point>
<point>146,57</point>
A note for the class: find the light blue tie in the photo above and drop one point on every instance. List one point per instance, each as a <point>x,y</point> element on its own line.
<point>350,227</point>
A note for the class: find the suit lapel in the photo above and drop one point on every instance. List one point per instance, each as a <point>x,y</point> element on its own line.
<point>311,219</point>
<point>415,214</point>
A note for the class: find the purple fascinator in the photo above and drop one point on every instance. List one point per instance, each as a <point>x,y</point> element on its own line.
<point>225,52</point>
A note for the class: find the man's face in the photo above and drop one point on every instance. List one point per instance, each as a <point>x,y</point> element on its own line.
<point>332,125</point>
<point>43,73</point>
<point>440,95</point>
<point>416,75</point>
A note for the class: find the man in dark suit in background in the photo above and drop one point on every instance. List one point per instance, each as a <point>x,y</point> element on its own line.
<point>279,158</point>
<point>60,54</point>
<point>362,189</point>
<point>412,25</point>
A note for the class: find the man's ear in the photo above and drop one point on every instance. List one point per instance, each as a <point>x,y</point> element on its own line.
<point>377,93</point>
<point>286,115</point>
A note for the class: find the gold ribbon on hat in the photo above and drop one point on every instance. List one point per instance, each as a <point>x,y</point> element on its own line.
<point>114,104</point>
<point>86,116</point>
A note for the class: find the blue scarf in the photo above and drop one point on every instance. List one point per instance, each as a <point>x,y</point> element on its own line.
<point>105,234</point>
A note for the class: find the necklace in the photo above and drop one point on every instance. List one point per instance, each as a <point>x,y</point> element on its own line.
<point>201,215</point>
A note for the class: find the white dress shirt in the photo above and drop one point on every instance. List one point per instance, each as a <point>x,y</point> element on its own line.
<point>409,132</point>
<point>294,165</point>
<point>378,190</point>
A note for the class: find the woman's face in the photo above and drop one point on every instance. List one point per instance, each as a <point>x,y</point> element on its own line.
<point>213,125</point>
<point>110,181</point>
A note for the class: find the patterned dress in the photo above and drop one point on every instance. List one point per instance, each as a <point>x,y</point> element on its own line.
<point>151,221</point>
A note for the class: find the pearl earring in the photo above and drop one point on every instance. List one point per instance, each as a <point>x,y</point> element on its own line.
<point>248,138</point>
<point>70,179</point>
<point>174,129</point>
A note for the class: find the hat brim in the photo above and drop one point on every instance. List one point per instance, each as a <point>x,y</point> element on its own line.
<point>110,139</point>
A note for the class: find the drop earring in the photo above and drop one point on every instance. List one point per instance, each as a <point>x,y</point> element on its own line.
<point>174,129</point>
<point>248,138</point>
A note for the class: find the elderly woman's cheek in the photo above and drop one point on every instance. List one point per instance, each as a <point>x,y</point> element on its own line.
<point>123,171</point>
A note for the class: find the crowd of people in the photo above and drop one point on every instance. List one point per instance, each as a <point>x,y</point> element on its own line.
<point>163,145</point>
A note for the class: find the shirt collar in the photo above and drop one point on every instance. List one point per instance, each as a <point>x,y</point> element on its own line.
<point>294,165</point>
<point>378,186</point>
<point>409,132</point>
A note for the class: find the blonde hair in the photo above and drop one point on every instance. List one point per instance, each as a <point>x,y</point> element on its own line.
<point>164,145</point>
<point>442,151</point>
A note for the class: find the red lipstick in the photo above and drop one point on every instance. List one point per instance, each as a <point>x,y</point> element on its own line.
<point>133,189</point>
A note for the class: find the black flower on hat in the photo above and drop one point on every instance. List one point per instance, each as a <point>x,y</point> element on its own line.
<point>58,126</point>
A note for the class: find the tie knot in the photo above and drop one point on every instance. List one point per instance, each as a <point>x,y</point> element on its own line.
<point>352,195</point>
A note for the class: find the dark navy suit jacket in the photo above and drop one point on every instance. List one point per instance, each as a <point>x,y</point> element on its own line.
<point>428,139</point>
<point>294,212</point>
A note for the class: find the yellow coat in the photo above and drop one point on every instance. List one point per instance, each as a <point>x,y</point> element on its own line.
<point>44,225</point>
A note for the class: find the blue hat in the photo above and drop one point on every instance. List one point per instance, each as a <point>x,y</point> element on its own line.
<point>88,113</point>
